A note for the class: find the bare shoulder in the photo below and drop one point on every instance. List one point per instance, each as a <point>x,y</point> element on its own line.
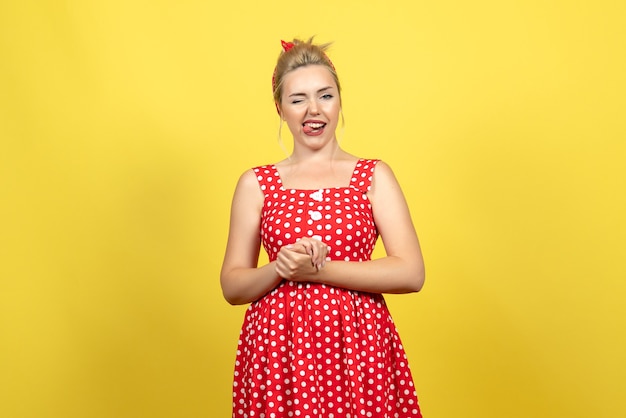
<point>248,191</point>
<point>248,179</point>
<point>391,211</point>
<point>383,178</point>
<point>383,168</point>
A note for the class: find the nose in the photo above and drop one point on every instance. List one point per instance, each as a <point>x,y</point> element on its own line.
<point>314,107</point>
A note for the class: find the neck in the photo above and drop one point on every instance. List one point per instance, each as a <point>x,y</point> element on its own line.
<point>330,152</point>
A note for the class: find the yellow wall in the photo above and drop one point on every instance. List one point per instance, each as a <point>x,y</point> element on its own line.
<point>125,124</point>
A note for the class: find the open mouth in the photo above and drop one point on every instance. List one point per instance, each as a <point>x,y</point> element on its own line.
<point>312,127</point>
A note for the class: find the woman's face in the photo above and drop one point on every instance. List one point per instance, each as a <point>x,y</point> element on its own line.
<point>310,105</point>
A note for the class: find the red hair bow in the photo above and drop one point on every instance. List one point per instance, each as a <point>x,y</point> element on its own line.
<point>287,45</point>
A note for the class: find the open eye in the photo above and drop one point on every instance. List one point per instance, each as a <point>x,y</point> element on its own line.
<point>327,96</point>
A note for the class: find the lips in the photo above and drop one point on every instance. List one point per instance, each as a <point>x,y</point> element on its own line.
<point>313,127</point>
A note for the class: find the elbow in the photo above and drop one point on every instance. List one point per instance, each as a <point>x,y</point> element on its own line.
<point>235,301</point>
<point>233,298</point>
<point>418,285</point>
<point>412,283</point>
<point>415,286</point>
<point>416,282</point>
<point>411,277</point>
<point>230,294</point>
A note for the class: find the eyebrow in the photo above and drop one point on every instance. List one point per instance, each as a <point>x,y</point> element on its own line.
<point>319,91</point>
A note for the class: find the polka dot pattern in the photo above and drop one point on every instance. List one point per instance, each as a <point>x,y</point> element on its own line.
<point>315,351</point>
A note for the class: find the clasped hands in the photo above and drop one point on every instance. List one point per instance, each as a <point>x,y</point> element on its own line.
<point>301,259</point>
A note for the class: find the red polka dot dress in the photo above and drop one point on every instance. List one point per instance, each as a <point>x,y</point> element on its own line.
<point>312,350</point>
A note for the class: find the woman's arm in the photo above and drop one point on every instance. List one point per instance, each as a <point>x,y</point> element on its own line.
<point>401,271</point>
<point>241,280</point>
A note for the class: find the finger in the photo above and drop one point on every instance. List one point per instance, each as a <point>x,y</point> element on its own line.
<point>319,255</point>
<point>297,248</point>
<point>308,248</point>
<point>326,251</point>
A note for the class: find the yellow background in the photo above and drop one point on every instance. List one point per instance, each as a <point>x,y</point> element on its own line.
<point>124,126</point>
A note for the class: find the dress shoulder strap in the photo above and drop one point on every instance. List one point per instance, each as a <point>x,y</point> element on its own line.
<point>363,174</point>
<point>268,178</point>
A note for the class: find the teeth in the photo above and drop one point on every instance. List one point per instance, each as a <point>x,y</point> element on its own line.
<point>314,125</point>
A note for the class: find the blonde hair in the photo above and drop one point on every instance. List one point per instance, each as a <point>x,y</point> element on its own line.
<point>302,53</point>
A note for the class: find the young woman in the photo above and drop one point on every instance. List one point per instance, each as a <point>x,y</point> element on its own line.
<point>318,340</point>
